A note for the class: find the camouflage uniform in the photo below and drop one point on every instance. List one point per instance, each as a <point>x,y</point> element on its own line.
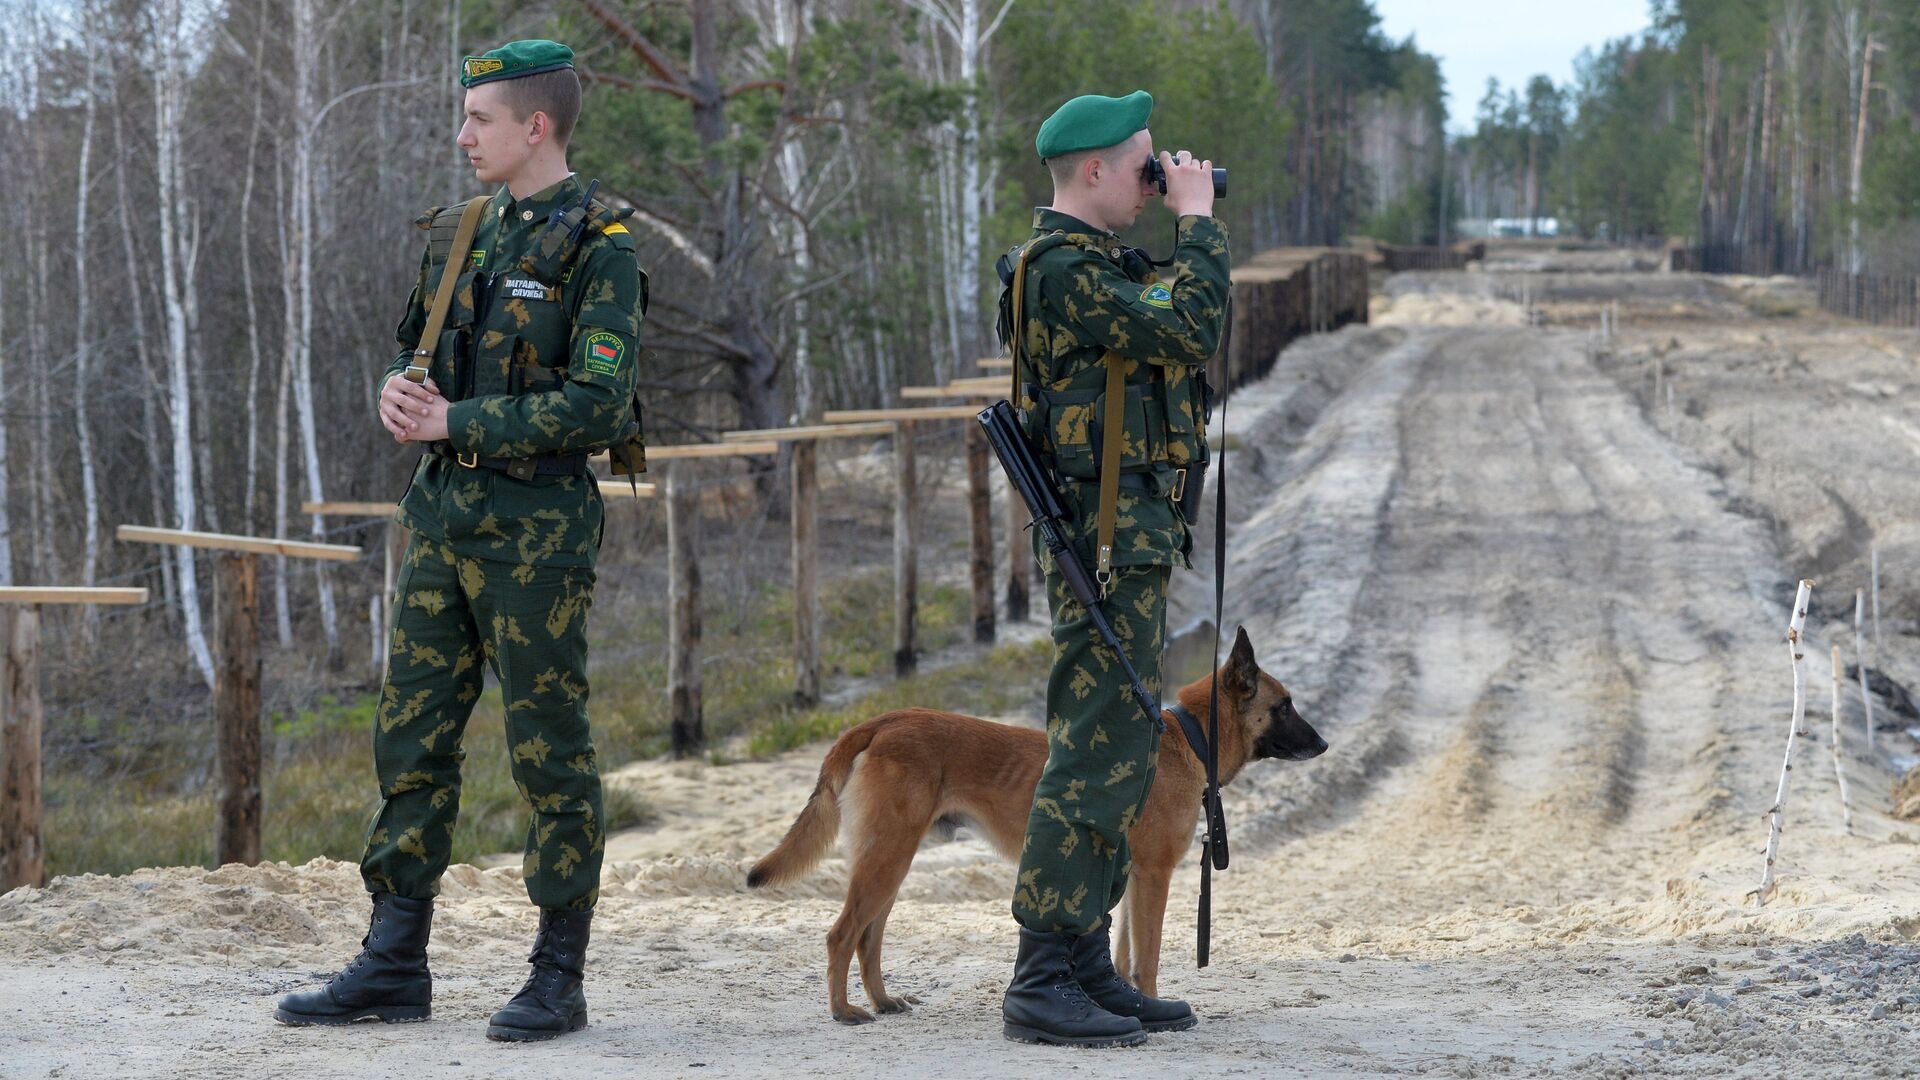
<point>538,356</point>
<point>1087,295</point>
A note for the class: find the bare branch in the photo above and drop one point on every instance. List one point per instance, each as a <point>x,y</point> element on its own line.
<point>646,50</point>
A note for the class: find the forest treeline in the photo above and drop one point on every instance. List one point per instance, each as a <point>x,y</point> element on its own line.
<point>1787,126</point>
<point>212,203</point>
<point>210,222</point>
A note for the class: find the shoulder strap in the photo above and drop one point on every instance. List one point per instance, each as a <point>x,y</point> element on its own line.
<point>443,295</point>
<point>1016,338</point>
<point>1113,434</point>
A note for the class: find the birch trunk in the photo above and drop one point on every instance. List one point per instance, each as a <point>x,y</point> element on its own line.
<point>251,493</point>
<point>83,355</point>
<point>169,123</point>
<point>150,442</point>
<point>1776,816</point>
<point>297,286</point>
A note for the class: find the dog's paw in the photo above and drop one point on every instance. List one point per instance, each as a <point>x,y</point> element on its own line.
<point>853,1014</point>
<point>896,1004</point>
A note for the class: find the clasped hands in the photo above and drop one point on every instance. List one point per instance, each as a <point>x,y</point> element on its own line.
<point>411,411</point>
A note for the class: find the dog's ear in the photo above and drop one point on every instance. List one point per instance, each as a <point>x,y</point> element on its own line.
<point>1242,671</point>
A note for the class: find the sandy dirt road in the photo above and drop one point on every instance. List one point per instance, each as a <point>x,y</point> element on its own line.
<point>1542,627</point>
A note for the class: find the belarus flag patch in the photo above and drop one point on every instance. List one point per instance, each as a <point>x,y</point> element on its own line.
<point>604,352</point>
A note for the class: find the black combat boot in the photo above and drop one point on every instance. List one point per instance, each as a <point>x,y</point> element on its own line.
<point>388,981</point>
<point>1093,970</point>
<point>1044,1003</point>
<point>553,1002</point>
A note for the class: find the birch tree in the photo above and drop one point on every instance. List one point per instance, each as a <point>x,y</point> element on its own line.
<point>963,184</point>
<point>83,345</point>
<point>177,257</point>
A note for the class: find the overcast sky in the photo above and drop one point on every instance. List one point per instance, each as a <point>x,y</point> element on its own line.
<point>1510,40</point>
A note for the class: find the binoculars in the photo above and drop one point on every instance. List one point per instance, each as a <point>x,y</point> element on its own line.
<point>1156,175</point>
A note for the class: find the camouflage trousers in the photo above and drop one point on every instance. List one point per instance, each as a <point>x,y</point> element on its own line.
<point>1100,756</point>
<point>529,624</point>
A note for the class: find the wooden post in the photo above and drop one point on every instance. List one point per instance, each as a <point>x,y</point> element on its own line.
<point>806,561</point>
<point>683,600</point>
<point>236,706</point>
<point>1019,556</point>
<point>22,859</point>
<point>906,555</point>
<point>980,545</point>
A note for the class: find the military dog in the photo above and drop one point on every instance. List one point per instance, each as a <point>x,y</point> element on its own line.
<point>895,776</point>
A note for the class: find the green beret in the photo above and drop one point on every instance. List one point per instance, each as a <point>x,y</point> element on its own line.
<point>1090,122</point>
<point>514,60</point>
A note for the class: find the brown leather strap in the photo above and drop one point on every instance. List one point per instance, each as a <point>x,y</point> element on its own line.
<point>443,296</point>
<point>1016,346</point>
<point>1113,435</point>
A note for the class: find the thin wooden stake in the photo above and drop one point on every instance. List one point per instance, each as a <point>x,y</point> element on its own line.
<point>22,854</point>
<point>1776,815</point>
<point>980,536</point>
<point>806,560</point>
<point>377,656</point>
<point>1840,774</point>
<point>1874,552</point>
<point>683,600</point>
<point>236,706</point>
<point>1860,659</point>
<point>906,552</point>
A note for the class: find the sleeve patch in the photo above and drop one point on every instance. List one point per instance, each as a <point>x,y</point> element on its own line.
<point>1157,295</point>
<point>604,351</point>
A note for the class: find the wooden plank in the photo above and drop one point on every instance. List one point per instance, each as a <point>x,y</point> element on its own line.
<point>22,855</point>
<point>997,363</point>
<point>903,415</point>
<point>299,549</point>
<point>816,431</point>
<point>690,451</point>
<point>954,390</point>
<point>34,594</point>
<point>806,560</point>
<point>980,535</point>
<point>906,555</point>
<point>236,707</point>
<point>621,489</point>
<point>683,603</point>
<point>996,383</point>
<point>349,509</point>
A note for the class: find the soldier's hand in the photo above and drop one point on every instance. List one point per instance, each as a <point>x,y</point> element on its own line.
<point>404,404</point>
<point>1189,184</point>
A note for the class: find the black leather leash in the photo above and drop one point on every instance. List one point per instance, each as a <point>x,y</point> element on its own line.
<point>1213,847</point>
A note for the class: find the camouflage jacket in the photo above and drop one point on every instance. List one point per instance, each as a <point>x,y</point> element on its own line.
<point>1088,294</point>
<point>531,367</point>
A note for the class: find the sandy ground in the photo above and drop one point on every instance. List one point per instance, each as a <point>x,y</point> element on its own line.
<point>1540,618</point>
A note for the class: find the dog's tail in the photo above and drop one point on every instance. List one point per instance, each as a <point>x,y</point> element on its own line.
<point>813,832</point>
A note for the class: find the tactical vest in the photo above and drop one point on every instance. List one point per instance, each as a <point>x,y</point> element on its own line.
<point>1165,414</point>
<point>508,329</point>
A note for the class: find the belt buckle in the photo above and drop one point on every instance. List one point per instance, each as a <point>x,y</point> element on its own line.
<point>1179,484</point>
<point>469,461</point>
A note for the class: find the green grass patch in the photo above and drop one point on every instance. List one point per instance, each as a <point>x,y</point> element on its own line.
<point>132,803</point>
<point>1005,679</point>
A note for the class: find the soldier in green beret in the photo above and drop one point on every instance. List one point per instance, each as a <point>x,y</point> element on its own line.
<point>1084,314</point>
<point>507,379</point>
